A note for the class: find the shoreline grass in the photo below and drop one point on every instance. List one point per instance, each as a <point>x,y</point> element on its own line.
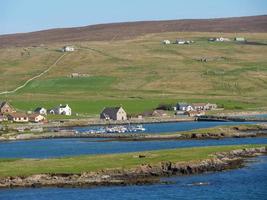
<point>93,163</point>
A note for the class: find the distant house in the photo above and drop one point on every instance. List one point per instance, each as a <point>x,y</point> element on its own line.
<point>180,41</point>
<point>166,42</point>
<point>240,39</point>
<point>204,106</point>
<point>41,111</point>
<point>61,110</point>
<point>51,111</point>
<point>184,107</point>
<point>114,113</point>
<point>219,39</point>
<point>36,118</point>
<point>211,106</point>
<point>199,106</point>
<point>6,108</point>
<point>67,49</point>
<point>18,117</point>
<point>194,113</point>
<point>159,113</point>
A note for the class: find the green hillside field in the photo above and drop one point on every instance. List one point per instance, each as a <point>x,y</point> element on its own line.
<point>140,73</point>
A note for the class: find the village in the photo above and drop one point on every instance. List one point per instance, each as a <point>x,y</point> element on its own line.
<point>39,115</point>
<point>213,39</point>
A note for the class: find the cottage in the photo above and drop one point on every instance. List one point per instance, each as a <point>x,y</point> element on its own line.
<point>166,42</point>
<point>114,113</point>
<point>194,113</point>
<point>18,117</point>
<point>61,110</point>
<point>211,106</point>
<point>6,108</point>
<point>36,118</point>
<point>199,106</point>
<point>159,113</point>
<point>180,41</point>
<point>67,49</point>
<point>184,107</point>
<point>204,106</point>
<point>221,39</point>
<point>41,111</point>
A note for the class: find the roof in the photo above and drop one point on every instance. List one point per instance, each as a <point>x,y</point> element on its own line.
<point>2,103</point>
<point>111,110</point>
<point>18,115</point>
<point>33,116</point>
<point>38,109</point>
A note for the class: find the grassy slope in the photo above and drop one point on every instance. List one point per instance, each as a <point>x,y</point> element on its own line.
<point>25,167</point>
<point>140,73</point>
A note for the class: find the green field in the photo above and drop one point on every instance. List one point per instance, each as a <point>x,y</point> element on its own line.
<point>26,167</point>
<point>140,73</point>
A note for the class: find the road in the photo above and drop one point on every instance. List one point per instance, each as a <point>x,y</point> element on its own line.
<point>33,78</point>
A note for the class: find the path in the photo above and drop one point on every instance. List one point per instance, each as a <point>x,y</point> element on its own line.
<point>33,78</point>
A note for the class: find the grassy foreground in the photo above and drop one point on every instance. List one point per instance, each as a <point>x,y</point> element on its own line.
<point>26,167</point>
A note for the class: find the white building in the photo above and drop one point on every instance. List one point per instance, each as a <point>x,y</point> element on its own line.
<point>61,110</point>
<point>41,111</point>
<point>166,42</point>
<point>68,49</point>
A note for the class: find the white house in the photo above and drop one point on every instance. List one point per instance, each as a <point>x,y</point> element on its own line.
<point>67,49</point>
<point>61,110</point>
<point>41,111</point>
<point>184,107</point>
<point>166,42</point>
<point>180,41</point>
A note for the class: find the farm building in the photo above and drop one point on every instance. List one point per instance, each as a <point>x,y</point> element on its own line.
<point>114,113</point>
<point>6,108</point>
<point>166,42</point>
<point>41,111</point>
<point>159,113</point>
<point>199,106</point>
<point>36,118</point>
<point>67,49</point>
<point>194,113</point>
<point>18,117</point>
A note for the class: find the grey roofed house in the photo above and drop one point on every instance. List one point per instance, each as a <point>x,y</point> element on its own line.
<point>114,113</point>
<point>41,111</point>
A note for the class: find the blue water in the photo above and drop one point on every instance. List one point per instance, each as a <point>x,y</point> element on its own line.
<point>249,183</point>
<point>174,126</point>
<point>70,147</point>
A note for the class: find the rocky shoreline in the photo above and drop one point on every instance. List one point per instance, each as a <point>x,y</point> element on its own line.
<point>144,174</point>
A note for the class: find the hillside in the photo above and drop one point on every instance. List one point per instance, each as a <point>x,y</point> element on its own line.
<point>139,73</point>
<point>119,31</point>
